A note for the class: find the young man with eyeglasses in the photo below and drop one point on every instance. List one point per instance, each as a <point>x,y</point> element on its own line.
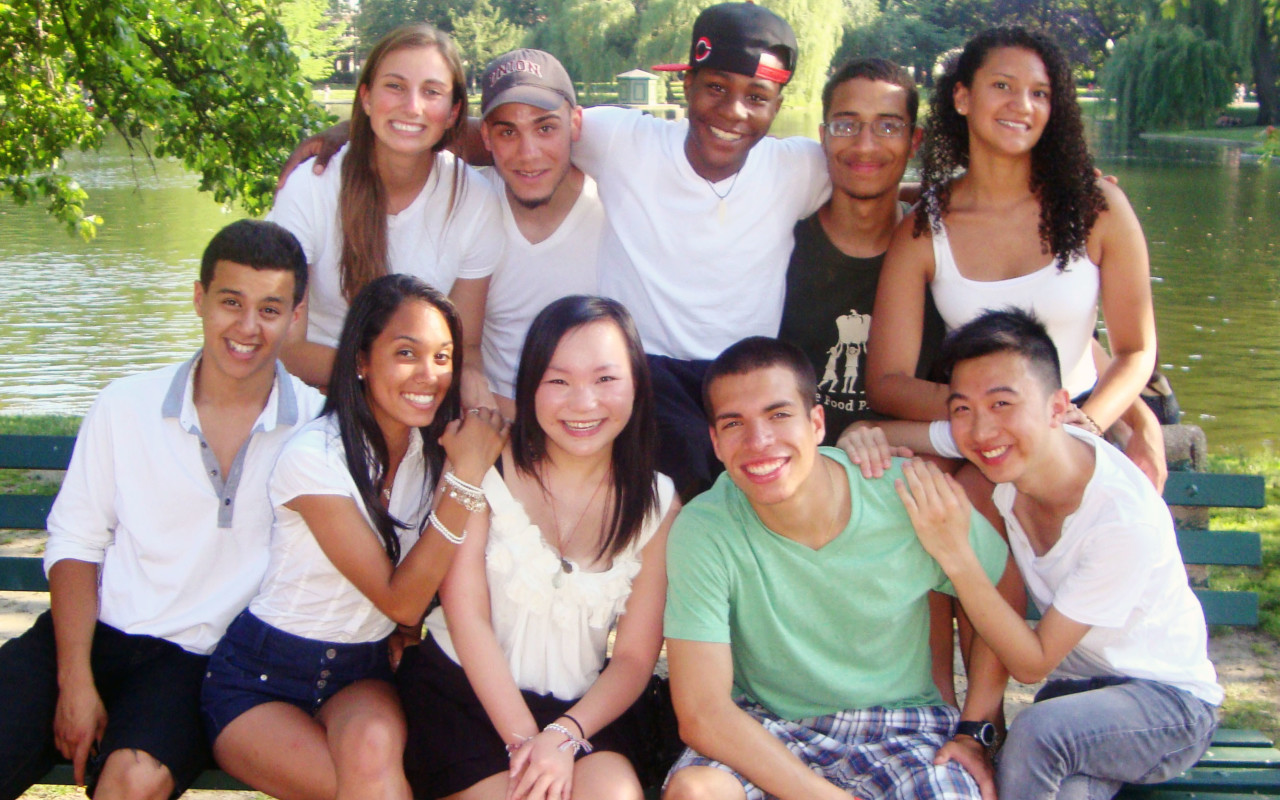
<point>868,134</point>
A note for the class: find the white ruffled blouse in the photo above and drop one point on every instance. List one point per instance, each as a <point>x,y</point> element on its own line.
<point>553,626</point>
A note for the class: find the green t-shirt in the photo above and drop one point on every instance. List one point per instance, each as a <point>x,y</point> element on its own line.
<point>814,632</point>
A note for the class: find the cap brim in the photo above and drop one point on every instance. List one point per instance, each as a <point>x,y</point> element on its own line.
<point>536,96</point>
<point>671,67</point>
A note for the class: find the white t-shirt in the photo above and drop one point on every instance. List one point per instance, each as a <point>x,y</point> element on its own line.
<point>1118,569</point>
<point>696,272</point>
<point>553,627</point>
<point>424,240</point>
<point>533,275</point>
<point>182,547</point>
<point>303,593</point>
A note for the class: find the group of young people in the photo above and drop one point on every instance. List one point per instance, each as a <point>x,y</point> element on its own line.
<point>243,563</point>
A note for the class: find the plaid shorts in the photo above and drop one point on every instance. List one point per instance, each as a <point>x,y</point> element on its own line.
<point>872,753</point>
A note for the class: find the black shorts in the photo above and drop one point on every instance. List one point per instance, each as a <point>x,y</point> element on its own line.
<point>150,688</point>
<point>452,744</point>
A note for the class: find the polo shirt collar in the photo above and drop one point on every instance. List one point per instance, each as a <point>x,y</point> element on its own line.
<point>179,401</point>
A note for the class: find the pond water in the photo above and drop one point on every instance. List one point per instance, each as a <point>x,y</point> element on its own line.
<point>73,315</point>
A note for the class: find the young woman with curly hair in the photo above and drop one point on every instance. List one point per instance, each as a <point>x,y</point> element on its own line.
<point>1013,215</point>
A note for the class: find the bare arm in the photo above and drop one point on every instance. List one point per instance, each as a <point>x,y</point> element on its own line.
<point>80,717</point>
<point>311,362</point>
<point>1126,308</point>
<point>402,592</point>
<point>469,296</point>
<point>710,723</point>
<point>940,513</point>
<point>897,325</point>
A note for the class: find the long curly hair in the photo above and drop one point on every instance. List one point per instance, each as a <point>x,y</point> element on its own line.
<point>362,203</point>
<point>1061,168</point>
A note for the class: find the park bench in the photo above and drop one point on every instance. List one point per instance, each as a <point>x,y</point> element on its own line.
<point>1240,763</point>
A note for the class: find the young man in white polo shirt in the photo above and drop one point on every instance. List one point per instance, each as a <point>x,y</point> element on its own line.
<point>551,212</point>
<point>1132,696</point>
<point>158,539</point>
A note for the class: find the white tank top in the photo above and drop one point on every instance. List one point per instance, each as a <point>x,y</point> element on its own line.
<point>1065,301</point>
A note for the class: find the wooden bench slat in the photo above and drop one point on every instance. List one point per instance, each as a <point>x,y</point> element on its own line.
<point>1241,737</point>
<point>1215,489</point>
<point>22,574</point>
<point>1229,608</point>
<point>1232,548</point>
<point>1214,779</point>
<point>24,511</point>
<point>35,452</point>
<point>1240,757</point>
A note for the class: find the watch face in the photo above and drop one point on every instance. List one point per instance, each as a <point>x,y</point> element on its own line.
<point>984,732</point>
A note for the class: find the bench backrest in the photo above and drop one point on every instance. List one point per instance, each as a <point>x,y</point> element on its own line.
<point>1198,489</point>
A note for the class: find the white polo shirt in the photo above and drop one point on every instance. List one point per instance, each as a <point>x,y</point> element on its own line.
<point>182,547</point>
<point>698,265</point>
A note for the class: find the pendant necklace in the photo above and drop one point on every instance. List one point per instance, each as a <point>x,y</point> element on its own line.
<point>566,566</point>
<point>722,207</point>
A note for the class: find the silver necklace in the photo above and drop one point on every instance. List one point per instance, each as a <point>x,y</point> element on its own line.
<point>722,208</point>
<point>566,566</point>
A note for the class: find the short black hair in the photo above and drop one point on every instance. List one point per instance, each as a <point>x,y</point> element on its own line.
<point>258,244</point>
<point>873,69</point>
<point>755,353</point>
<point>1007,330</point>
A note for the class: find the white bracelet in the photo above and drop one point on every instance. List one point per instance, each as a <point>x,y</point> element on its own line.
<point>435,522</point>
<point>464,494</point>
<point>571,742</point>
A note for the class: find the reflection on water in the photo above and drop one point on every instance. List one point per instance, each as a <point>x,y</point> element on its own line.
<point>73,315</point>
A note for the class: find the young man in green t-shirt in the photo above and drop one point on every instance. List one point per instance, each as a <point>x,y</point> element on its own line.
<point>797,616</point>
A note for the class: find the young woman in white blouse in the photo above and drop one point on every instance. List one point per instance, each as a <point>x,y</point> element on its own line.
<point>511,695</point>
<point>298,700</point>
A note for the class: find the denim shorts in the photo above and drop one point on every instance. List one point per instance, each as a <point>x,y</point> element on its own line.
<point>256,663</point>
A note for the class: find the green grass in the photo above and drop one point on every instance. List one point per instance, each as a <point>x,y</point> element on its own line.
<point>40,424</point>
<point>1264,580</point>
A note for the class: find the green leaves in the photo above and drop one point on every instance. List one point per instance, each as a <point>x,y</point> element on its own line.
<point>1167,75</point>
<point>210,82</point>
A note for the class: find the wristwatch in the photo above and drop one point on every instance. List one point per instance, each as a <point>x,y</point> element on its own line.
<point>984,732</point>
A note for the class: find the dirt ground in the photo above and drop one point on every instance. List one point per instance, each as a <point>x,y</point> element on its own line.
<point>1248,667</point>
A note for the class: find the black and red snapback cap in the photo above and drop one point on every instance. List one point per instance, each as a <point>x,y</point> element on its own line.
<point>733,37</point>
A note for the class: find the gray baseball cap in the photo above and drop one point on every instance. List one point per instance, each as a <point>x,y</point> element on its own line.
<point>533,77</point>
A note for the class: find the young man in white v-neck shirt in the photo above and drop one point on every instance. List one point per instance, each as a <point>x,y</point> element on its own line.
<point>158,538</point>
<point>700,215</point>
<point>551,212</point>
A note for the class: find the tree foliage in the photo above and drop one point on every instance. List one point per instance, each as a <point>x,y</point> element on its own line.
<point>483,33</point>
<point>210,82</point>
<point>1167,75</point>
<point>317,33</point>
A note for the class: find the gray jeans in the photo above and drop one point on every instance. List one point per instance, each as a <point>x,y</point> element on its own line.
<point>1086,740</point>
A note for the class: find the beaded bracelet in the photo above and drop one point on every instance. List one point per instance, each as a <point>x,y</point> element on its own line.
<point>465,494</point>
<point>435,522</point>
<point>572,742</point>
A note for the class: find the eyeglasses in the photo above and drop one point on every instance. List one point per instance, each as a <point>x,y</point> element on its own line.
<point>884,128</point>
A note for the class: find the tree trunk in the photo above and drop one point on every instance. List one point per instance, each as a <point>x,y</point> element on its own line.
<point>1264,75</point>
